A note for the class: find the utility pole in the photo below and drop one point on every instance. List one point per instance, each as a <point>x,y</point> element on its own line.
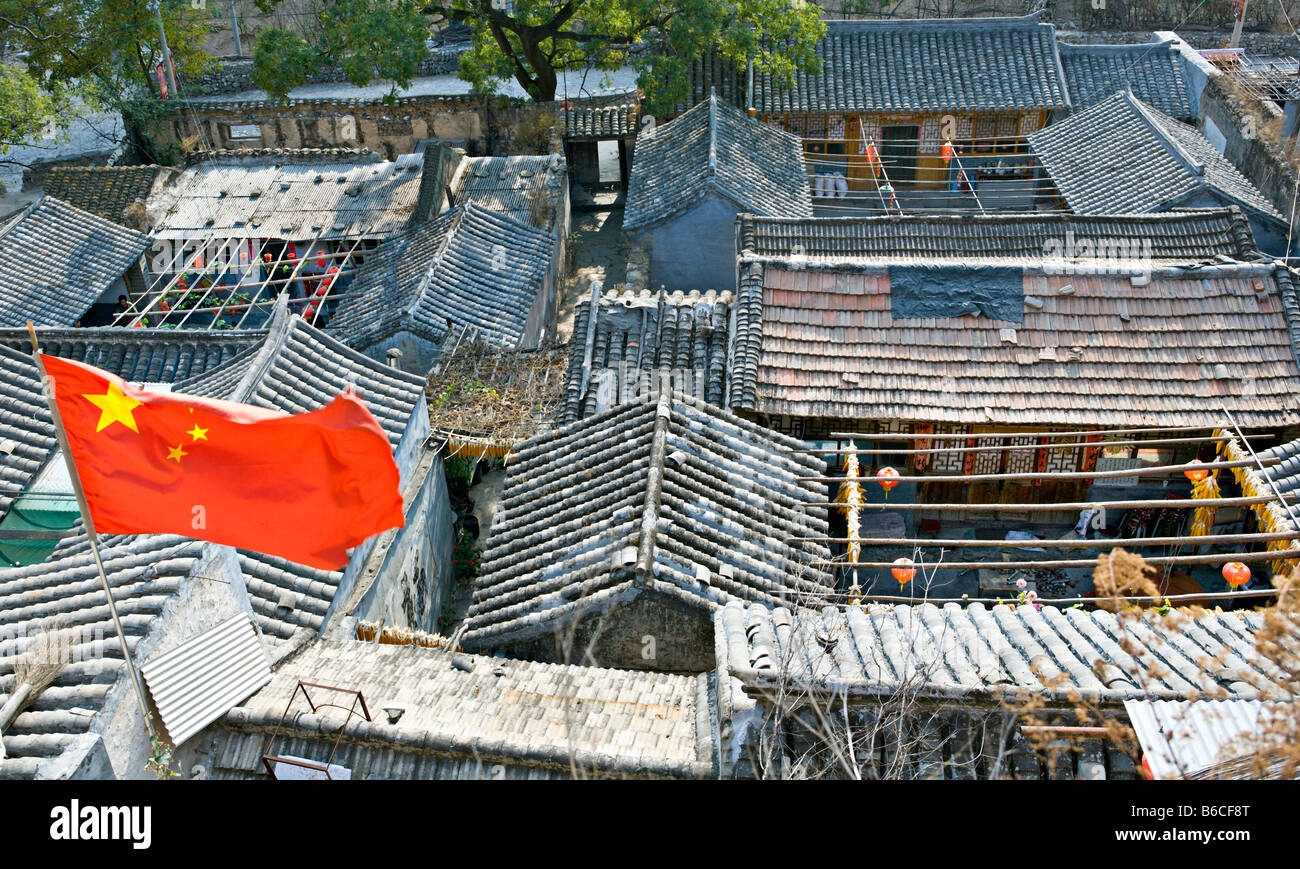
<point>234,28</point>
<point>168,66</point>
<point>1236,26</point>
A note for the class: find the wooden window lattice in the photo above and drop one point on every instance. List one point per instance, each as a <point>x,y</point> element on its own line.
<point>929,137</point>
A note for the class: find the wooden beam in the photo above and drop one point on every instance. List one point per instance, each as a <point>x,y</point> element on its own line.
<point>1054,602</point>
<point>949,436</point>
<point>1055,475</point>
<point>1083,562</point>
<point>1098,543</point>
<point>1023,447</point>
<point>1072,506</point>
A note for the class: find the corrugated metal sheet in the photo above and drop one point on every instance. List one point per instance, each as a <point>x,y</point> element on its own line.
<point>1181,738</point>
<point>200,680</point>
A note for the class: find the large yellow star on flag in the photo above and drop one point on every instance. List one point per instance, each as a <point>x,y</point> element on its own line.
<point>114,406</point>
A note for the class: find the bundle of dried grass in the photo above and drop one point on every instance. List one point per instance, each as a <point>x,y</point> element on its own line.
<point>496,398</point>
<point>37,668</point>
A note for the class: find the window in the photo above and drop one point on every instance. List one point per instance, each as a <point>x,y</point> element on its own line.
<point>245,131</point>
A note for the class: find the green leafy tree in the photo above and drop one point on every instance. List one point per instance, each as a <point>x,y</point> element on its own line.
<point>533,41</point>
<point>26,109</point>
<point>104,52</point>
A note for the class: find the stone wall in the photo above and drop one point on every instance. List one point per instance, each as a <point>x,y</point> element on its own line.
<point>640,635</point>
<point>482,125</point>
<point>1250,129</point>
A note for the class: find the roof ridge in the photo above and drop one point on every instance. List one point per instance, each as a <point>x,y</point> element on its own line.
<point>644,575</point>
<point>990,22</point>
<point>713,131</point>
<point>1149,115</point>
<point>1116,47</point>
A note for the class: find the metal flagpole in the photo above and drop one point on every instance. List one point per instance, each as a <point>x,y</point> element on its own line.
<point>48,388</point>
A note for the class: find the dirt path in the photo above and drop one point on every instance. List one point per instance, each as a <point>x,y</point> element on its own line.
<point>600,255</point>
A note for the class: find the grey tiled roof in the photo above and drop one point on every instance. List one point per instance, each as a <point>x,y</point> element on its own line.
<point>976,652</point>
<point>57,260</point>
<point>1174,238</point>
<point>144,573</point>
<point>1123,156</point>
<point>716,148</point>
<point>140,355</point>
<point>949,64</point>
<point>306,369</point>
<point>105,191</point>
<point>718,492</point>
<point>1286,475</point>
<point>529,189</point>
<point>601,119</point>
<point>1152,70</point>
<point>465,714</point>
<point>818,339</point>
<point>642,333</point>
<point>474,266</point>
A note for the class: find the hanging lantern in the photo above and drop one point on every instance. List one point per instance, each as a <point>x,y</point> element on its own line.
<point>872,155</point>
<point>903,570</point>
<point>266,257</point>
<point>885,476</point>
<point>309,312</point>
<point>198,261</point>
<point>320,261</point>
<point>1236,573</point>
<point>1196,475</point>
<point>947,152</point>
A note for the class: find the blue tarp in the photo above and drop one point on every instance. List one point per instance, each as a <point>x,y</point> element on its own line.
<point>938,292</point>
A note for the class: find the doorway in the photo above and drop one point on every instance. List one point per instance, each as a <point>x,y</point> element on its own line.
<point>898,152</point>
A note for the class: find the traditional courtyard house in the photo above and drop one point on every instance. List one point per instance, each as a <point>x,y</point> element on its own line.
<point>970,344</point>
<point>170,590</point>
<point>110,192</point>
<point>690,179</point>
<point>61,266</point>
<point>889,91</point>
<point>1124,156</point>
<point>625,340</point>
<point>235,229</point>
<point>619,535</point>
<point>963,692</point>
<point>345,709</point>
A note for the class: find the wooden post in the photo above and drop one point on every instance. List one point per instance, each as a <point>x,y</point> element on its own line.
<point>47,387</point>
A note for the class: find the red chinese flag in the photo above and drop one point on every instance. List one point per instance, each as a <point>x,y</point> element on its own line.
<point>305,487</point>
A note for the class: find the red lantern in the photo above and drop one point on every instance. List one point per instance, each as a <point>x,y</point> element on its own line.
<point>872,155</point>
<point>903,570</point>
<point>1236,573</point>
<point>947,152</point>
<point>885,476</point>
<point>266,257</point>
<point>1146,769</point>
<point>1196,475</point>
<point>309,312</point>
<point>320,261</point>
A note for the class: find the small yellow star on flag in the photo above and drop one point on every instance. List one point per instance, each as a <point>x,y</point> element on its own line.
<point>176,452</point>
<point>199,434</point>
<point>114,406</point>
